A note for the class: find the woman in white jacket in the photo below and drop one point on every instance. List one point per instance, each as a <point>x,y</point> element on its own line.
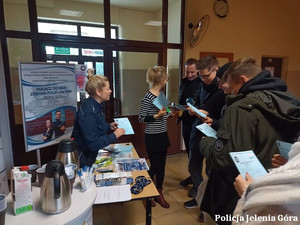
<point>273,198</point>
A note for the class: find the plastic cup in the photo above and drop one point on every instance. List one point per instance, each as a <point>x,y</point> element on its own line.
<point>86,183</point>
<point>31,169</point>
<point>41,175</point>
<point>70,171</point>
<point>2,208</point>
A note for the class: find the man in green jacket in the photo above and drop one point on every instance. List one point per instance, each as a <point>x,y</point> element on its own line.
<point>260,111</point>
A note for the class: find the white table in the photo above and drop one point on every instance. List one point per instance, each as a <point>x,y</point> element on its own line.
<point>80,211</point>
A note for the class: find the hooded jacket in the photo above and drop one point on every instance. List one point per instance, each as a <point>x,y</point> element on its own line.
<point>261,113</point>
<point>274,196</point>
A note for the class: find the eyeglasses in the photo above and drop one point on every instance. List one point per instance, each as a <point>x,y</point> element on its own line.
<point>207,75</point>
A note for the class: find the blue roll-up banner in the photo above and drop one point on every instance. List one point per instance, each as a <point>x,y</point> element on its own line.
<point>48,97</point>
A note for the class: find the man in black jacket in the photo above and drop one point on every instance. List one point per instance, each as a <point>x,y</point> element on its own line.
<point>212,100</point>
<point>189,88</point>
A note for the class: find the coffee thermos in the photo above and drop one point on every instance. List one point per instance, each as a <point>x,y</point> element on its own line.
<point>67,152</point>
<point>55,191</point>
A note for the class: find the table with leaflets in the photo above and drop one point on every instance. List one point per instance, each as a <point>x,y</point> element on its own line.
<point>148,192</point>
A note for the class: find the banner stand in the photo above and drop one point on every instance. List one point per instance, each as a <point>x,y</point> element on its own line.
<point>38,157</point>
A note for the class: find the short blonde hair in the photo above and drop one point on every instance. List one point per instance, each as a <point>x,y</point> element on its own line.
<point>155,75</point>
<point>95,82</point>
<point>246,66</point>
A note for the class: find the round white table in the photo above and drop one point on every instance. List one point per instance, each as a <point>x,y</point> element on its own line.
<point>80,211</point>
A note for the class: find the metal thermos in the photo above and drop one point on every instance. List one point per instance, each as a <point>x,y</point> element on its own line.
<point>55,191</point>
<point>67,152</point>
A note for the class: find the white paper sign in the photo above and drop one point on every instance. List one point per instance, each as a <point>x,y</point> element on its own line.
<point>110,194</point>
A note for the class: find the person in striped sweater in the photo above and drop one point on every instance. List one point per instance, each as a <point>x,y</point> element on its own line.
<point>156,134</point>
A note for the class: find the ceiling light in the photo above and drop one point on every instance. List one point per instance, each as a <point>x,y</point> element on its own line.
<point>65,12</point>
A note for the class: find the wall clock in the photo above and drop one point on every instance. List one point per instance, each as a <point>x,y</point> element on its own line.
<point>199,30</point>
<point>221,8</point>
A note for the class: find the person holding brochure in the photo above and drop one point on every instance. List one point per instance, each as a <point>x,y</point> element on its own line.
<point>91,132</point>
<point>189,88</point>
<point>156,133</point>
<point>212,100</point>
<point>259,112</point>
<point>272,196</point>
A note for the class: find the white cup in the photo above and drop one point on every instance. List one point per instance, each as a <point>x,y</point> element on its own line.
<point>2,208</point>
<point>87,183</point>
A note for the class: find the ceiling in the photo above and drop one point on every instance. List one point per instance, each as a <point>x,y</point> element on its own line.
<point>140,5</point>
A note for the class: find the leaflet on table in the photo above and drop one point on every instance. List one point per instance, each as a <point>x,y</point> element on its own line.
<point>284,148</point>
<point>207,130</point>
<point>103,161</point>
<point>117,151</point>
<point>246,161</point>
<point>161,101</point>
<point>117,193</point>
<point>108,179</point>
<point>125,124</point>
<point>131,164</point>
<point>196,110</point>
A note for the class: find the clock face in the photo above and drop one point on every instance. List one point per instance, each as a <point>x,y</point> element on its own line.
<point>221,8</point>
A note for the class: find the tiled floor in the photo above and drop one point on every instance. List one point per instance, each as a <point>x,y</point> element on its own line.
<point>133,212</point>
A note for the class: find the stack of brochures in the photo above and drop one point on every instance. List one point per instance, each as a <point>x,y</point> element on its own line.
<point>122,151</point>
<point>109,179</point>
<point>131,164</point>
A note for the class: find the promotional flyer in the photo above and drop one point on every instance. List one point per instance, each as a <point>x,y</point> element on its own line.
<point>48,94</point>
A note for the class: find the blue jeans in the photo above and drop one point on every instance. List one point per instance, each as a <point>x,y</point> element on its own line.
<point>196,158</point>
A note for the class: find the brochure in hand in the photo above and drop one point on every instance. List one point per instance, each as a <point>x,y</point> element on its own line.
<point>161,101</point>
<point>207,130</point>
<point>246,161</point>
<point>284,148</point>
<point>131,164</point>
<point>125,124</point>
<point>201,114</point>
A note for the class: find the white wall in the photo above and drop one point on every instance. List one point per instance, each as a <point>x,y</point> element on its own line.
<point>4,124</point>
<point>252,28</point>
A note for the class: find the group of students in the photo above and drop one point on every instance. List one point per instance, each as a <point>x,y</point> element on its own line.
<point>258,111</point>
<point>249,108</point>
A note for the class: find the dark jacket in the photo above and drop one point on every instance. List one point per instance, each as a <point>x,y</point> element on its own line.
<point>260,114</point>
<point>91,131</point>
<point>189,89</point>
<point>212,100</point>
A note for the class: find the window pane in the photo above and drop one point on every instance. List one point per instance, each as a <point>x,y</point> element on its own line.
<point>132,71</point>
<point>92,52</point>
<point>99,68</point>
<point>137,20</point>
<point>71,11</point>
<point>174,21</point>
<point>51,50</point>
<point>92,31</point>
<point>89,65</point>
<point>16,15</point>
<point>173,74</point>
<point>18,50</point>
<point>52,28</point>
